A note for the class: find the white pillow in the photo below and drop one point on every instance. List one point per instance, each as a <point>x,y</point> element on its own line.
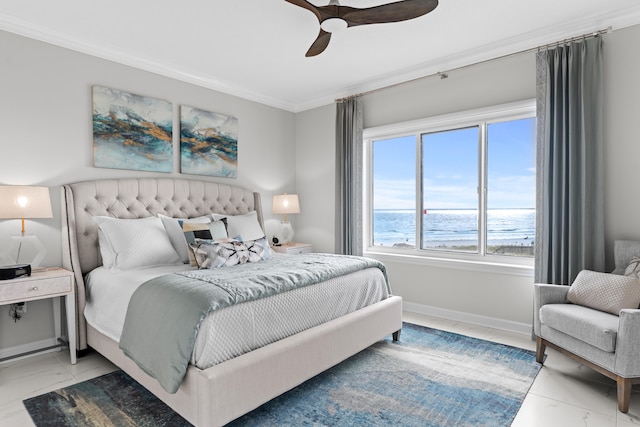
<point>245,226</point>
<point>173,227</point>
<point>134,243</point>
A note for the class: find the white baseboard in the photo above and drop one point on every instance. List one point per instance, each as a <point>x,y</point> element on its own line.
<point>476,319</point>
<point>27,348</point>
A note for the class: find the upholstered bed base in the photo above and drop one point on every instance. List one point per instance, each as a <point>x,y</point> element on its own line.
<point>217,395</point>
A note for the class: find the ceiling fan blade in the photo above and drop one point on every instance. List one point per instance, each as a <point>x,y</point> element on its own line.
<point>320,44</point>
<point>306,5</point>
<point>392,12</point>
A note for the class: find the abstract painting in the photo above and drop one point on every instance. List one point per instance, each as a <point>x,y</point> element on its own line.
<point>131,131</point>
<point>208,143</point>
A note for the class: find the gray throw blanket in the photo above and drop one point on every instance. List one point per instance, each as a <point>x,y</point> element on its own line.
<point>164,313</point>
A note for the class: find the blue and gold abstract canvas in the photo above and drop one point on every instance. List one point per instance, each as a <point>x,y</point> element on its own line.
<point>131,131</point>
<point>208,143</point>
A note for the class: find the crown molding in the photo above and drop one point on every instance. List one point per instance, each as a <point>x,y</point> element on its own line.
<point>513,45</point>
<point>29,30</point>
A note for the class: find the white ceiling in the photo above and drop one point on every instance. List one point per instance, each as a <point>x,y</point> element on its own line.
<point>255,48</point>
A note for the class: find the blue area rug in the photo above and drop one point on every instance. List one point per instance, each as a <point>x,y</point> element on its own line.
<point>429,378</point>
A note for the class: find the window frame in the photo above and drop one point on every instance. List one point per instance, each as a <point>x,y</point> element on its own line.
<point>480,117</point>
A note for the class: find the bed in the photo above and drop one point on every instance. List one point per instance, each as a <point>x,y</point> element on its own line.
<point>218,394</point>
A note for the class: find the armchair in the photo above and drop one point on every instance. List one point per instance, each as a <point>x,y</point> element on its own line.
<point>605,342</point>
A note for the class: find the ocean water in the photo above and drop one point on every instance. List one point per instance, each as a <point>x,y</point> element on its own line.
<point>454,227</point>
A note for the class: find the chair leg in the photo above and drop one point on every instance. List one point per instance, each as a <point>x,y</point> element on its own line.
<point>624,393</point>
<point>540,347</point>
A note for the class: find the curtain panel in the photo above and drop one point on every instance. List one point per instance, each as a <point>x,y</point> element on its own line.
<point>349,163</point>
<point>570,176</point>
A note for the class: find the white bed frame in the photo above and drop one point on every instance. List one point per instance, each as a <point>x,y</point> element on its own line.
<point>224,392</point>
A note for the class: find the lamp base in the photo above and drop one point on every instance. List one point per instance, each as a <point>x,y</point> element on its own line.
<point>286,232</point>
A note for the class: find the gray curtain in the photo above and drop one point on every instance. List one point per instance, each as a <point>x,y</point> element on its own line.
<point>570,180</point>
<point>349,152</point>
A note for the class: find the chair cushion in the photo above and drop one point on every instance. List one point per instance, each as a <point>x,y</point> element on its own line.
<point>605,291</point>
<point>594,327</point>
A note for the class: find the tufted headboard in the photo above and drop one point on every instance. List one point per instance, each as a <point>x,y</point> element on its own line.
<point>136,198</point>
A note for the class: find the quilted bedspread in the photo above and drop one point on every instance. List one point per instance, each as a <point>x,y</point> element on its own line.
<point>164,314</point>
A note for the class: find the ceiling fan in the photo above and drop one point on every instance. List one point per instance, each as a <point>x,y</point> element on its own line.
<point>335,15</point>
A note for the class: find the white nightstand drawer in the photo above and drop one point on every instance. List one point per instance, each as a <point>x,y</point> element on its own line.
<point>299,250</point>
<point>44,284</point>
<point>24,289</point>
<point>293,248</point>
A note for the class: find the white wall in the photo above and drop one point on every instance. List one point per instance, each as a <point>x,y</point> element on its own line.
<point>622,136</point>
<point>504,297</point>
<point>46,139</point>
<point>315,177</point>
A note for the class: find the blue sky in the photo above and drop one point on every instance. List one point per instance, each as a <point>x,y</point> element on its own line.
<point>451,169</point>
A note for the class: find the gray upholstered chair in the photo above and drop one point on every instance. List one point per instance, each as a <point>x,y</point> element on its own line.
<point>607,343</point>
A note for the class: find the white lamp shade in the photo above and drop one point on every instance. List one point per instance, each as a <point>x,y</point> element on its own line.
<point>21,201</point>
<point>285,204</point>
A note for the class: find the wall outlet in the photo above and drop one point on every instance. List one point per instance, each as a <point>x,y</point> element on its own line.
<point>21,308</point>
<point>17,310</point>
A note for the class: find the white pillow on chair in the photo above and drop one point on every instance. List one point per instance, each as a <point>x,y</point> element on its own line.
<point>605,291</point>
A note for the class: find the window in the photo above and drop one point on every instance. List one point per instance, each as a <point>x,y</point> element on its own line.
<point>460,185</point>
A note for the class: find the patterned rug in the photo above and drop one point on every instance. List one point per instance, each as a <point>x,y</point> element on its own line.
<point>429,378</point>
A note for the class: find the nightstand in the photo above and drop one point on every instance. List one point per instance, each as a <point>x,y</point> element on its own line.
<point>43,284</point>
<point>293,248</point>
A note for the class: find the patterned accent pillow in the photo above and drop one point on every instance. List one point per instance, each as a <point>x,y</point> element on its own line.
<point>216,254</point>
<point>259,250</point>
<point>633,269</point>
<point>604,291</point>
<point>173,227</point>
<point>215,230</point>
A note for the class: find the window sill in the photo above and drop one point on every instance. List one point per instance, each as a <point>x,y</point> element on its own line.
<point>524,267</point>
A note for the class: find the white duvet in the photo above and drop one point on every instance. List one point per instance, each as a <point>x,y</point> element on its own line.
<point>235,330</point>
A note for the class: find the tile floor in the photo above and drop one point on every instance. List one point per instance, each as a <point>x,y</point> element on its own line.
<point>564,394</point>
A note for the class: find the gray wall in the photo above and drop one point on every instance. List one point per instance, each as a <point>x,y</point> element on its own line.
<point>486,295</point>
<point>46,139</point>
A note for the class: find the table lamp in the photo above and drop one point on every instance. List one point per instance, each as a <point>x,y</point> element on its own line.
<point>20,202</point>
<point>286,204</point>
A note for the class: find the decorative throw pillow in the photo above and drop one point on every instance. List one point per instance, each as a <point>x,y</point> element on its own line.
<point>134,243</point>
<point>633,269</point>
<point>259,250</point>
<point>604,291</point>
<point>215,254</point>
<point>173,227</point>
<point>211,231</point>
<point>245,227</point>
